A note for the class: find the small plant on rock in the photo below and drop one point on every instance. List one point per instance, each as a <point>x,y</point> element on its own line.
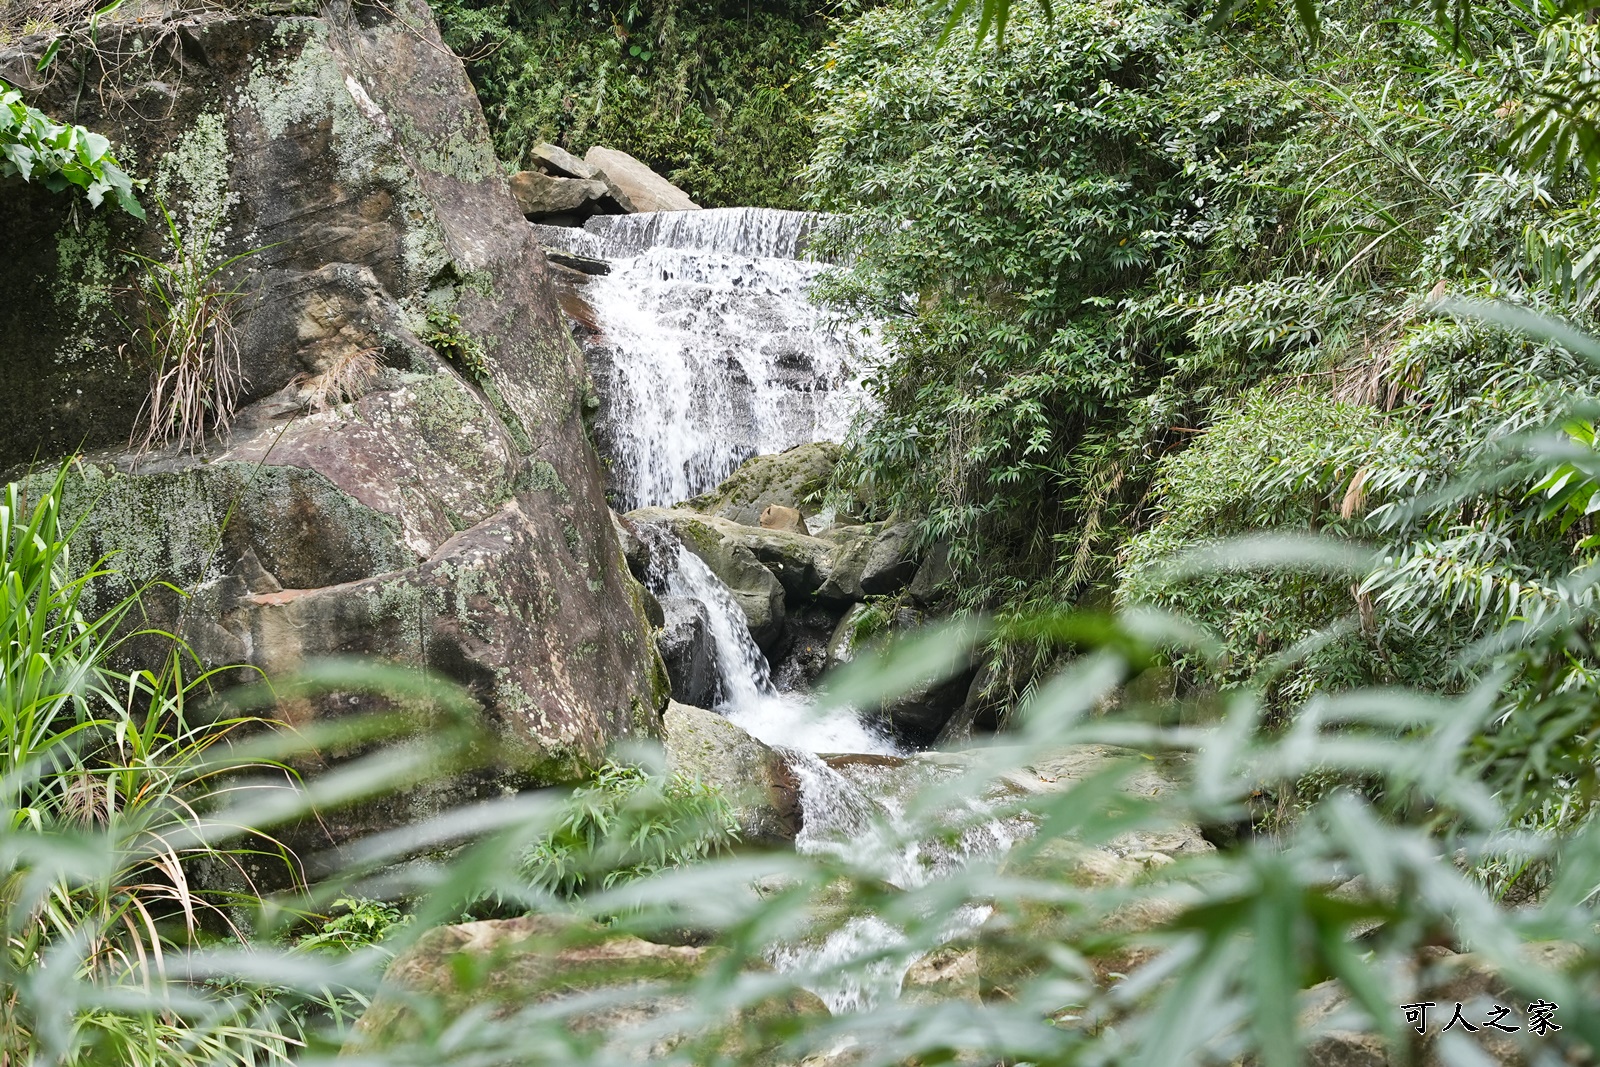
<point>446,337</point>
<point>628,824</point>
<point>185,333</point>
<point>35,148</point>
<point>343,381</point>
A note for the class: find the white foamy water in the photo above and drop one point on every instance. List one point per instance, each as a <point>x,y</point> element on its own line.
<point>864,961</point>
<point>746,693</point>
<point>708,350</point>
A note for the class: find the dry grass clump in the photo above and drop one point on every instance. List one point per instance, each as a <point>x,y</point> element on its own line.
<point>185,333</point>
<point>344,380</point>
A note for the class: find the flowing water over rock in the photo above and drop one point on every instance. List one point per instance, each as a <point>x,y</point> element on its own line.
<point>746,693</point>
<point>707,350</point>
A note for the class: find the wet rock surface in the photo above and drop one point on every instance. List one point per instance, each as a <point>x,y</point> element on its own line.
<point>686,649</point>
<point>790,479</point>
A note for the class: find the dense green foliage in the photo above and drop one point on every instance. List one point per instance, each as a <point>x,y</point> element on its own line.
<point>628,824</point>
<point>1146,286</point>
<point>124,756</point>
<point>710,94</point>
<point>33,148</point>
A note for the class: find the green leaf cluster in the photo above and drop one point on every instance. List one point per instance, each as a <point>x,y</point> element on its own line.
<point>34,148</point>
<point>628,824</point>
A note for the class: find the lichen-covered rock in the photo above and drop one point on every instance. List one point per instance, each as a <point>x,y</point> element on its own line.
<point>504,967</point>
<point>764,791</point>
<point>410,476</point>
<point>789,479</point>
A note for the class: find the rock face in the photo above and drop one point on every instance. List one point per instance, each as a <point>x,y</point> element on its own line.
<point>505,966</point>
<point>764,791</point>
<point>642,187</point>
<point>442,508</point>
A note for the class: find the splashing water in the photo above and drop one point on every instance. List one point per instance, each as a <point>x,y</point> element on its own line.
<point>708,350</point>
<point>746,693</point>
<point>864,961</point>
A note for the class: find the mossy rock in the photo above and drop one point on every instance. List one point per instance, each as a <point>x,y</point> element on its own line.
<point>511,970</point>
<point>792,479</point>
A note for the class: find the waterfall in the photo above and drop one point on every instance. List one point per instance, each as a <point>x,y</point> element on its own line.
<point>744,679</point>
<point>747,695</point>
<point>707,350</point>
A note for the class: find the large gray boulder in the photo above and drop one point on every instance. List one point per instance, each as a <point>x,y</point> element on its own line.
<point>409,478</point>
<point>764,791</point>
<point>555,160</point>
<point>870,560</point>
<point>541,196</point>
<point>643,188</point>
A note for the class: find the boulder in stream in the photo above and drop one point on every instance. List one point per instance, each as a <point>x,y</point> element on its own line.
<point>643,188</point>
<point>541,196</point>
<point>721,546</point>
<point>789,479</point>
<point>764,791</point>
<point>871,560</point>
<point>686,648</point>
<point>552,159</point>
<point>785,519</point>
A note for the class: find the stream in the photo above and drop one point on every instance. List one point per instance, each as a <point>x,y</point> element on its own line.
<point>707,352</point>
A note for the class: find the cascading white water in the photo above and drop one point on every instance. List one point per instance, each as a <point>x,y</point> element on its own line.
<point>862,962</point>
<point>746,693</point>
<point>707,350</point>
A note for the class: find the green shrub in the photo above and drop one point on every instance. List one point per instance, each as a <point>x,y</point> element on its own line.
<point>713,97</point>
<point>33,148</point>
<point>629,824</point>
